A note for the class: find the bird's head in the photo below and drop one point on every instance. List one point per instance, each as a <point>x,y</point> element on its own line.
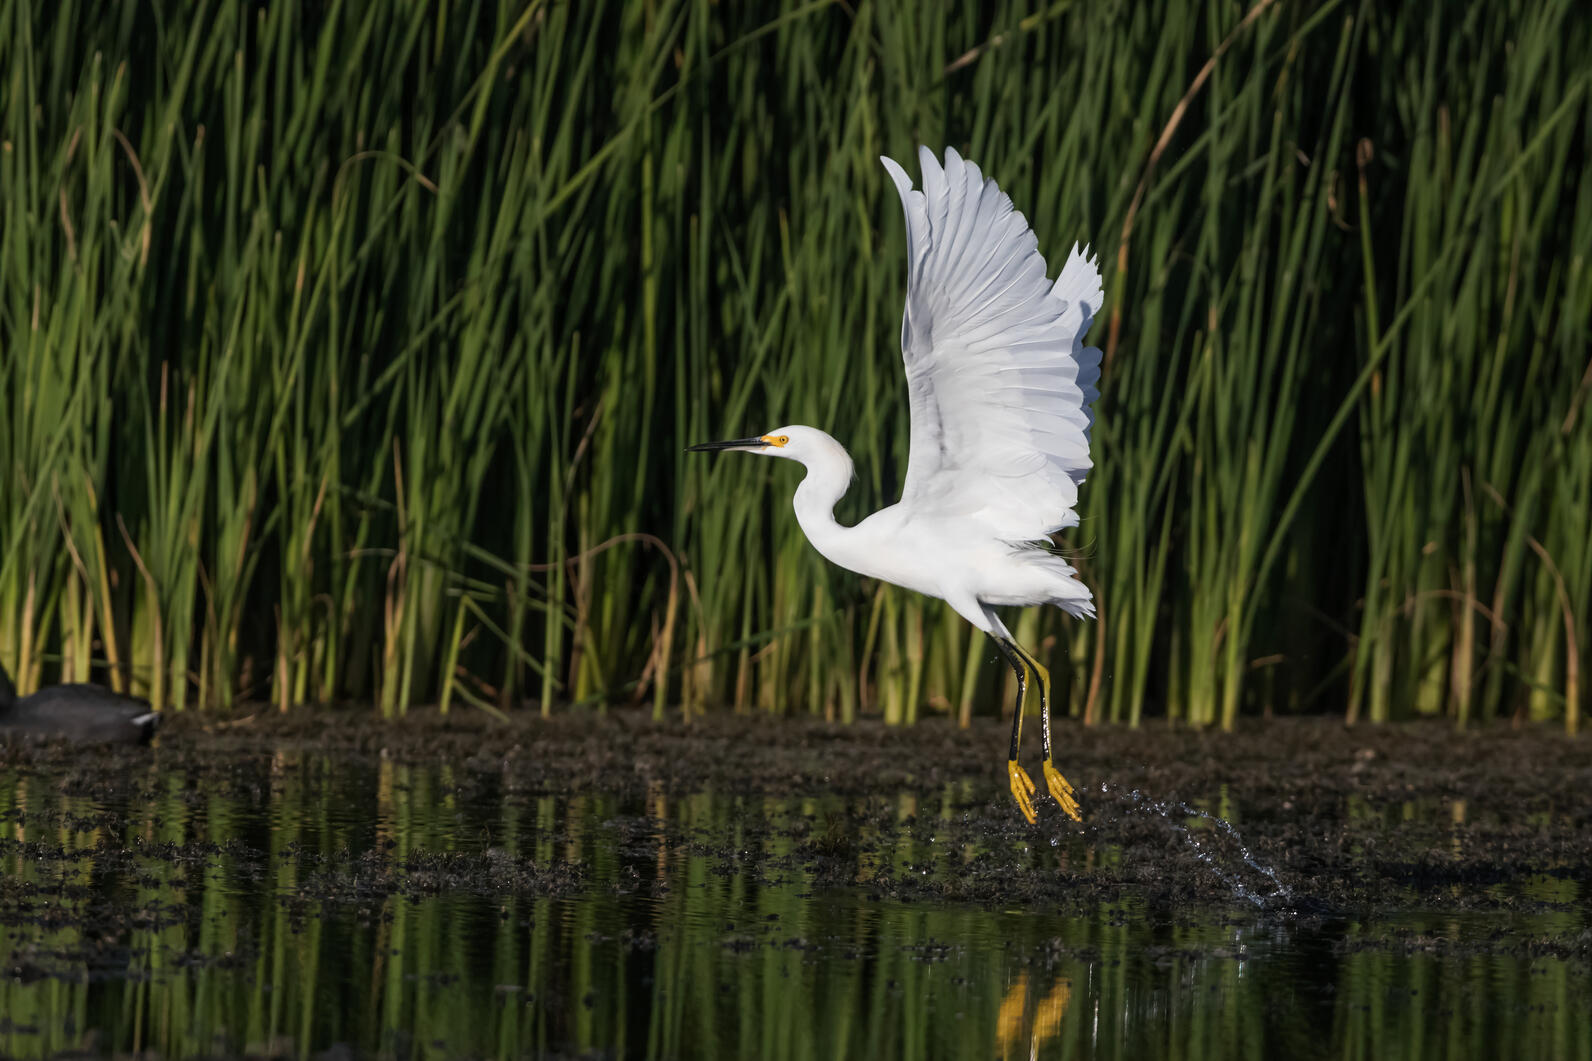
<point>806,445</point>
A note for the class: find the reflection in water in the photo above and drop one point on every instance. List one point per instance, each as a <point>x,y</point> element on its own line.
<point>298,903</point>
<point>1017,1024</point>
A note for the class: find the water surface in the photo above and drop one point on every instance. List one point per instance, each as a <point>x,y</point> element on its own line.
<point>293,904</point>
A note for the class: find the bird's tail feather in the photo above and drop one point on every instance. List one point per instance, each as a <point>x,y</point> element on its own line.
<point>1060,580</point>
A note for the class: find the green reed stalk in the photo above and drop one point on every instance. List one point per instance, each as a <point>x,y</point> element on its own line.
<point>381,336</point>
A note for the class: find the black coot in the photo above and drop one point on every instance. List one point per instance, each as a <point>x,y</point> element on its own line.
<point>76,712</point>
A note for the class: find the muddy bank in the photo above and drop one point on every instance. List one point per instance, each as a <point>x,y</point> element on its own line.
<point>1351,822</point>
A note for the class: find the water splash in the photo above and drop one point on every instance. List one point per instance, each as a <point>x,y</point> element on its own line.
<point>1173,809</point>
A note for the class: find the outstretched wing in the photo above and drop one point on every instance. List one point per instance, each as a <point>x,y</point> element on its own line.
<point>1001,383</point>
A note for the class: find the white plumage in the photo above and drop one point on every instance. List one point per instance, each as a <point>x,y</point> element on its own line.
<point>1000,380</point>
<point>1001,388</point>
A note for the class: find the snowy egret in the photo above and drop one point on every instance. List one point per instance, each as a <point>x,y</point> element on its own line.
<point>1001,387</point>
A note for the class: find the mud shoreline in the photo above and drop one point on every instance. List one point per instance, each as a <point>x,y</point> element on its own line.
<point>1351,821</point>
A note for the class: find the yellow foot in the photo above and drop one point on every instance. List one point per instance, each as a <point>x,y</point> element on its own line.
<point>1061,792</point>
<point>1022,789</point>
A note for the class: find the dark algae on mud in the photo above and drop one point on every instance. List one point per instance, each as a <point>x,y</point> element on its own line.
<point>449,888</point>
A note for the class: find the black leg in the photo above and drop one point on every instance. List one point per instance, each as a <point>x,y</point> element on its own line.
<point>1022,785</point>
<point>1016,663</point>
<point>1060,790</point>
<point>1042,679</point>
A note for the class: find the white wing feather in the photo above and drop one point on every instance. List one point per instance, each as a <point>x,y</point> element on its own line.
<point>1001,383</point>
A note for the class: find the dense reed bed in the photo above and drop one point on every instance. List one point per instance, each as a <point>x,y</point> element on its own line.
<point>348,352</point>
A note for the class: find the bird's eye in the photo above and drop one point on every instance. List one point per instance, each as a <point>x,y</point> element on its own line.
<point>783,440</point>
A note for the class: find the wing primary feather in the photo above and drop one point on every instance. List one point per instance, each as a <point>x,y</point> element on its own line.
<point>1001,383</point>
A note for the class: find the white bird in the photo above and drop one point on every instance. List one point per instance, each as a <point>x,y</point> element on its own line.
<point>1001,387</point>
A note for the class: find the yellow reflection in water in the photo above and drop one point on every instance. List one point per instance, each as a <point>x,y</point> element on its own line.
<point>1015,1023</point>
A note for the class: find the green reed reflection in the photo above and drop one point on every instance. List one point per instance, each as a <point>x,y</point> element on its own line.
<point>292,903</point>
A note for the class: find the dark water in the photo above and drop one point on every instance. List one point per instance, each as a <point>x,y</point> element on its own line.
<point>297,905</point>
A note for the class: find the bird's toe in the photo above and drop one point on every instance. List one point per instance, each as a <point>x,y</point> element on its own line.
<point>1061,791</point>
<point>1022,789</point>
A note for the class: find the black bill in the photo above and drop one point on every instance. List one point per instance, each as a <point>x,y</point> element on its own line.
<point>736,443</point>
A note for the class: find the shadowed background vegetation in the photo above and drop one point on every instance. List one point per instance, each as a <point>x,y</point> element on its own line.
<point>349,351</point>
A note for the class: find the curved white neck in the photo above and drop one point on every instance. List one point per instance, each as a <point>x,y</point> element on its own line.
<point>815,502</point>
<point>825,484</point>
